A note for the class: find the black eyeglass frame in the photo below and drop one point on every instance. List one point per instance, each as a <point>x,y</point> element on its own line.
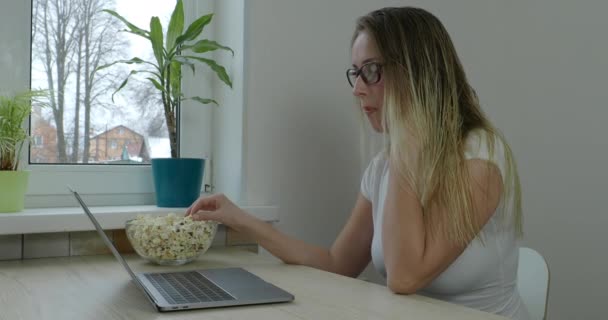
<point>359,72</point>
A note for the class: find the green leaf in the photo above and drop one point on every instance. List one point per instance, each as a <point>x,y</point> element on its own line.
<point>219,70</point>
<point>194,29</point>
<point>137,34</point>
<point>124,83</point>
<point>156,37</point>
<point>176,79</point>
<point>14,110</point>
<point>156,84</point>
<point>205,45</point>
<point>135,60</point>
<point>134,29</point>
<point>204,101</point>
<point>176,25</point>
<point>182,60</point>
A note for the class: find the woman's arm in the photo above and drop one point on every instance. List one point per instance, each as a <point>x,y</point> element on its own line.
<point>413,258</point>
<point>348,256</point>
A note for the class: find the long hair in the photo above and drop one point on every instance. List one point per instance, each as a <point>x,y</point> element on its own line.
<point>429,103</point>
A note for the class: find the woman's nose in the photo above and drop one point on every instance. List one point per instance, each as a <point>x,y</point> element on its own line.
<point>359,87</point>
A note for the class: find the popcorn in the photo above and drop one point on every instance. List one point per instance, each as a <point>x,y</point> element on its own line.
<point>170,237</point>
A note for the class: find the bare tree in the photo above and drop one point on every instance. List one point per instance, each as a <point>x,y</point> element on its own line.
<point>148,103</point>
<point>56,26</point>
<point>72,38</point>
<point>76,138</point>
<point>101,45</point>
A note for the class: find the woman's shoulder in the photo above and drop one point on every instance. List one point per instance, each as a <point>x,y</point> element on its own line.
<point>480,144</point>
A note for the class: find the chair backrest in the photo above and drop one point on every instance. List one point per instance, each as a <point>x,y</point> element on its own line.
<point>533,282</point>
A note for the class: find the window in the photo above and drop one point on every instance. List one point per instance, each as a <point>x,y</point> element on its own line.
<point>38,141</point>
<point>70,40</point>
<point>78,130</point>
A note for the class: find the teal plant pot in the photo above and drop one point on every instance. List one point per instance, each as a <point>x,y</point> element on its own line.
<point>177,182</point>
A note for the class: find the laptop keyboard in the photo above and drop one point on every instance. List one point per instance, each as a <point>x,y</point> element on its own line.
<point>187,287</point>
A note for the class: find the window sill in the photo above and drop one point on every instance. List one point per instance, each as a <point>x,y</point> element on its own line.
<point>45,220</point>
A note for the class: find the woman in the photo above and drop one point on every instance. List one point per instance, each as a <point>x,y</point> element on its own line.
<point>439,211</point>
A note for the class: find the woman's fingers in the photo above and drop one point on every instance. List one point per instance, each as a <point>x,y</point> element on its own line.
<point>198,216</point>
<point>203,203</point>
<point>206,215</point>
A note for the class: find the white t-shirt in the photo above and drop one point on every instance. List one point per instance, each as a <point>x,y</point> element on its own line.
<point>483,277</point>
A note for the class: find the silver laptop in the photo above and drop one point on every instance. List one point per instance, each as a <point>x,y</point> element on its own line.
<point>197,289</point>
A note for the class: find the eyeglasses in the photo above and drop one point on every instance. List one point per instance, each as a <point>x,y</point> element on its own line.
<point>370,73</point>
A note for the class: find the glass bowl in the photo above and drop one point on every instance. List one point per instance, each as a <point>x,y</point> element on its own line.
<point>171,239</point>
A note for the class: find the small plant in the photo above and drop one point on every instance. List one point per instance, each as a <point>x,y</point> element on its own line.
<point>171,52</point>
<point>14,110</point>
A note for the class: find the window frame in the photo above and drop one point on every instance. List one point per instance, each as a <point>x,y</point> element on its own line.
<point>117,184</point>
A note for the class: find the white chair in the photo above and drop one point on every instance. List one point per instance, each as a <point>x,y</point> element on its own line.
<point>533,282</point>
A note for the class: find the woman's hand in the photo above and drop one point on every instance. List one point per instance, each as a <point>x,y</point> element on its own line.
<point>218,208</point>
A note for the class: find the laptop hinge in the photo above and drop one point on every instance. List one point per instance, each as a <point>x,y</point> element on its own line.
<point>148,295</point>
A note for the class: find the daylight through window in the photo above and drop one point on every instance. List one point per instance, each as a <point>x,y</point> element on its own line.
<point>82,125</point>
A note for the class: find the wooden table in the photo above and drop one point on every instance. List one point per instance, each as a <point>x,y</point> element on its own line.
<point>97,287</point>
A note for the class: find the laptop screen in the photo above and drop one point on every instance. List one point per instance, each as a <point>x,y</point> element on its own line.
<point>109,243</point>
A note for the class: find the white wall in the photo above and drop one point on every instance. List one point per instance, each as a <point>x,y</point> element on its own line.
<point>539,68</point>
<point>301,129</point>
<point>228,117</point>
<point>14,32</point>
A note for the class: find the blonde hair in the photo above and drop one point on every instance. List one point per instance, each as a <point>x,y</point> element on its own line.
<point>429,103</point>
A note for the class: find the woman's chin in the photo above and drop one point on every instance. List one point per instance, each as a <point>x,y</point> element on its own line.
<point>377,127</point>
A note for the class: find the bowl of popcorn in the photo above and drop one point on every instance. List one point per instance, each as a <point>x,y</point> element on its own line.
<point>171,239</point>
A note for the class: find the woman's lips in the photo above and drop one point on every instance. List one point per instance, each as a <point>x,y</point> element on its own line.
<point>369,110</point>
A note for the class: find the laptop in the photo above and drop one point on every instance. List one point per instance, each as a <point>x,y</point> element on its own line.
<point>196,289</point>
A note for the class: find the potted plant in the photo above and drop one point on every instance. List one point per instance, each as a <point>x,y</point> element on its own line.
<point>14,110</point>
<point>177,180</point>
